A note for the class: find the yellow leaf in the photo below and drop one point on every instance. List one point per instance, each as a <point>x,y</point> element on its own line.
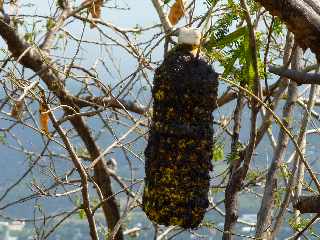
<point>176,12</point>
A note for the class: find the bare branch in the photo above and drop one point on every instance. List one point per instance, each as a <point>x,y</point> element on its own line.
<point>296,75</point>
<point>84,179</point>
<point>163,17</point>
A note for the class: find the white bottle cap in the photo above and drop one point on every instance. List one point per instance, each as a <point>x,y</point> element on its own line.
<point>191,36</point>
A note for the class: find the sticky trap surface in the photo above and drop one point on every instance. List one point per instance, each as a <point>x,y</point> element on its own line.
<point>179,150</point>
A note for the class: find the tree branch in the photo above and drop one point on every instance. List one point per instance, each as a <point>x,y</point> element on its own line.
<point>301,17</point>
<point>48,71</point>
<point>163,17</point>
<point>84,178</point>
<point>111,102</point>
<point>295,75</point>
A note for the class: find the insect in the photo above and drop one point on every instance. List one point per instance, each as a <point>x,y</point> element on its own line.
<point>179,150</point>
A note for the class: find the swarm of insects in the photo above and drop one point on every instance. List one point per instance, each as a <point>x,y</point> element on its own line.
<point>179,151</point>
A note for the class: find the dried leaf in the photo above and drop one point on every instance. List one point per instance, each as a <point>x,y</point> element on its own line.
<point>44,118</point>
<point>17,110</point>
<point>93,24</point>
<point>44,115</point>
<point>176,12</point>
<point>95,11</point>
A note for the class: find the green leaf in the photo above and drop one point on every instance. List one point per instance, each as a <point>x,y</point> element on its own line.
<point>50,24</point>
<point>229,64</point>
<point>166,1</point>
<point>278,27</point>
<point>248,72</point>
<point>29,37</point>
<point>234,154</point>
<point>218,152</point>
<point>230,38</point>
<point>2,138</point>
<point>252,175</point>
<point>299,225</point>
<point>82,214</point>
<point>251,73</point>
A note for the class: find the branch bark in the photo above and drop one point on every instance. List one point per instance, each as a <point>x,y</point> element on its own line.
<point>298,166</point>
<point>84,178</point>
<point>235,181</point>
<point>301,17</point>
<point>163,17</point>
<point>267,204</point>
<point>297,76</point>
<point>112,102</point>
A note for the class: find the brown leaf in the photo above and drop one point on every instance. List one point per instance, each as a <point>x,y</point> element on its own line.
<point>176,12</point>
<point>17,110</point>
<point>95,8</point>
<point>95,11</point>
<point>44,114</point>
<point>44,118</point>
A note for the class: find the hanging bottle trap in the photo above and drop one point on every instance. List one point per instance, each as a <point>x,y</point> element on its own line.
<point>179,150</point>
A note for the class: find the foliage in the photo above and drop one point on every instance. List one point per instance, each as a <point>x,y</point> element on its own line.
<point>73,157</point>
<point>218,151</point>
